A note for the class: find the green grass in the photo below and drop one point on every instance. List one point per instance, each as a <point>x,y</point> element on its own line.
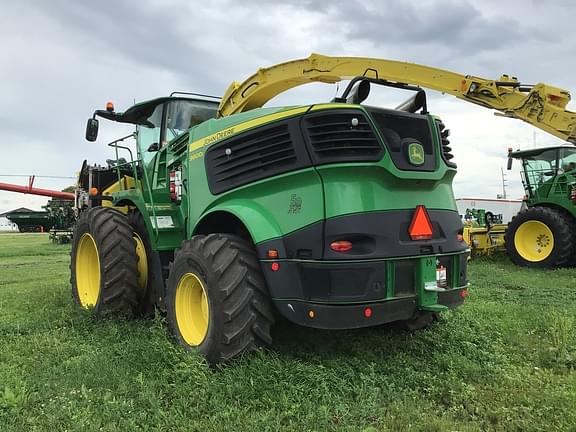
<point>504,361</point>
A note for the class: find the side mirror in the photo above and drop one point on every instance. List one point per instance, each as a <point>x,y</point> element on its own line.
<point>153,147</point>
<point>509,166</point>
<point>92,129</point>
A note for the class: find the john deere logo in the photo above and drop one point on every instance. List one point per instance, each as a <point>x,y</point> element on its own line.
<point>416,154</point>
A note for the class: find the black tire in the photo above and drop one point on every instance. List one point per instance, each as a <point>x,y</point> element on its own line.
<point>115,285</point>
<point>152,293</point>
<point>489,216</point>
<point>560,242</point>
<point>239,308</point>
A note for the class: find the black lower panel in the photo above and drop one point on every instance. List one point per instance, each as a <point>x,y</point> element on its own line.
<point>354,282</point>
<point>359,282</point>
<point>338,293</point>
<point>380,234</point>
<point>451,299</point>
<point>338,317</point>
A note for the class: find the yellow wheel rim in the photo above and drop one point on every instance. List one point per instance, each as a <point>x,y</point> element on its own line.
<point>87,271</point>
<point>142,263</point>
<point>192,312</point>
<point>534,241</point>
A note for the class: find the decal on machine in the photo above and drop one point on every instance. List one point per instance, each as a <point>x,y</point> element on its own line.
<point>163,221</point>
<point>159,207</point>
<point>295,204</point>
<point>211,139</point>
<point>196,155</point>
<point>416,154</point>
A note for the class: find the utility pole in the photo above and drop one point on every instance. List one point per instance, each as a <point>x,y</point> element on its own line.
<point>503,195</point>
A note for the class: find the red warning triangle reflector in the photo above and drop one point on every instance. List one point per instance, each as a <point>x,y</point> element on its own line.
<point>420,227</point>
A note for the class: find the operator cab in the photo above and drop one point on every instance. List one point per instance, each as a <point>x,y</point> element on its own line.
<point>167,119</point>
<point>543,167</point>
<point>158,121</point>
<point>170,118</point>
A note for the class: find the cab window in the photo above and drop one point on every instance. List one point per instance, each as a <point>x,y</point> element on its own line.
<point>149,133</point>
<point>568,160</point>
<point>181,115</point>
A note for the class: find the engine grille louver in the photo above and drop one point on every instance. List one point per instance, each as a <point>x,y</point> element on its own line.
<point>335,137</point>
<point>251,157</point>
<point>180,147</point>
<point>446,149</point>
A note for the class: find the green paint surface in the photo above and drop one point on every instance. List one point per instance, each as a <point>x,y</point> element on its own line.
<point>264,206</point>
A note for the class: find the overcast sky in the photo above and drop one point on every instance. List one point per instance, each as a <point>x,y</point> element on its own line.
<point>63,59</point>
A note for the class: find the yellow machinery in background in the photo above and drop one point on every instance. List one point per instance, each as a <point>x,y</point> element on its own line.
<point>484,232</point>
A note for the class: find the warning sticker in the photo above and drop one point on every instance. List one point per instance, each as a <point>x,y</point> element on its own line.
<point>163,221</point>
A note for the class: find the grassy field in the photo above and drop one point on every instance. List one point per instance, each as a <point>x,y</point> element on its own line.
<point>505,361</point>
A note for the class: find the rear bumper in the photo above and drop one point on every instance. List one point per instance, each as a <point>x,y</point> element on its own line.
<point>335,295</point>
<point>340,317</point>
<point>350,316</point>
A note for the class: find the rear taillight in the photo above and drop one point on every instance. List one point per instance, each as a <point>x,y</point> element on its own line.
<point>341,246</point>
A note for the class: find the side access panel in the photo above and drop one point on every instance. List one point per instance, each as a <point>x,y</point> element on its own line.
<point>262,176</point>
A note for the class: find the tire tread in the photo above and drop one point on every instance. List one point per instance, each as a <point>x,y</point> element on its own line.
<point>118,261</point>
<point>561,224</point>
<point>244,304</point>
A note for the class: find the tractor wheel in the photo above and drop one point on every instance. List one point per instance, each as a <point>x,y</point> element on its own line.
<point>217,301</point>
<point>489,216</point>
<point>540,237</point>
<point>150,281</point>
<point>104,266</point>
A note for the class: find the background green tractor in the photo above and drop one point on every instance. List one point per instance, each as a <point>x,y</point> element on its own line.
<point>543,234</point>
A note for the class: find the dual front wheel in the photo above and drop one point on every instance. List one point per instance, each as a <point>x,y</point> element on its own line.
<point>216,299</point>
<point>104,263</point>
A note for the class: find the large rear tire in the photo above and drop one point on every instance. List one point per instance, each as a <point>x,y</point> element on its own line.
<point>217,301</point>
<point>540,237</point>
<point>104,267</point>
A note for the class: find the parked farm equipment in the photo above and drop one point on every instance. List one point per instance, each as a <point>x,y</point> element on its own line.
<point>544,234</point>
<point>58,217</point>
<point>30,221</point>
<point>335,215</point>
<point>484,231</point>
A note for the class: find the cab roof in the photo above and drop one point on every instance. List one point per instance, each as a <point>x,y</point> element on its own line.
<point>518,154</point>
<point>139,113</point>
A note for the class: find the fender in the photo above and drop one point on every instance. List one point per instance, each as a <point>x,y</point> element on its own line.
<point>258,221</point>
<point>139,205</point>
